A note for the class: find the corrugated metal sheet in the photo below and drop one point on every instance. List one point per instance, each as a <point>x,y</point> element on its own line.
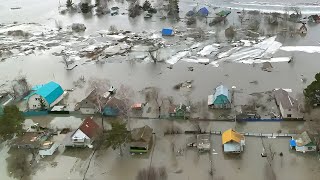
<point>221,96</point>
<point>231,135</point>
<point>50,91</point>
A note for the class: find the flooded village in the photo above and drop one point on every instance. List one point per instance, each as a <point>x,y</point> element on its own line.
<point>159,90</point>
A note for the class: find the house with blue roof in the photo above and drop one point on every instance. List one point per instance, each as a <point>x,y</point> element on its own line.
<point>221,99</point>
<point>45,96</point>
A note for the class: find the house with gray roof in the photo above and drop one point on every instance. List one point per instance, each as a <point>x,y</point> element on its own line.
<point>221,99</point>
<point>289,107</point>
<point>141,139</point>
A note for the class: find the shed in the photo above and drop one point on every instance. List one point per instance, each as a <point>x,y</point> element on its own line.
<point>220,99</point>
<point>203,12</point>
<point>232,141</point>
<point>190,13</point>
<point>141,139</point>
<point>167,32</point>
<point>223,13</point>
<point>303,29</point>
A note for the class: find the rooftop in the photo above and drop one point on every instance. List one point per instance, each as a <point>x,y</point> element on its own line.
<point>143,134</point>
<point>50,91</point>
<point>286,101</point>
<point>89,127</point>
<point>231,135</point>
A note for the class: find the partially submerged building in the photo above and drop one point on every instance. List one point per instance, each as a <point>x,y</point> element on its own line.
<point>31,140</point>
<point>203,142</point>
<point>303,143</point>
<point>141,139</point>
<point>45,96</point>
<point>85,135</point>
<point>181,111</point>
<point>232,141</point>
<point>221,99</point>
<point>93,103</point>
<point>289,107</point>
<point>115,107</point>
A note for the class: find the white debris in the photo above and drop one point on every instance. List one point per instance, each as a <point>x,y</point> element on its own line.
<point>214,64</point>
<point>195,46</point>
<point>257,51</point>
<point>288,90</point>
<point>208,50</point>
<point>246,43</point>
<point>174,59</point>
<point>199,60</point>
<point>307,49</point>
<point>271,60</point>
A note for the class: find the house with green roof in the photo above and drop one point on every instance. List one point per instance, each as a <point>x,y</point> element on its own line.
<point>45,96</point>
<point>221,99</point>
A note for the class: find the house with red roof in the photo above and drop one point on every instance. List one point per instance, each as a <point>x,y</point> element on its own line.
<point>84,135</point>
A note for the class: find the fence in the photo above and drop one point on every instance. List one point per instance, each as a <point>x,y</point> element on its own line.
<point>35,113</point>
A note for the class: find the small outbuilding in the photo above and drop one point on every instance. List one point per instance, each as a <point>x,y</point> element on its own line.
<point>167,32</point>
<point>233,142</point>
<point>204,12</point>
<point>221,99</point>
<point>141,139</point>
<point>203,142</point>
<point>181,111</point>
<point>303,143</point>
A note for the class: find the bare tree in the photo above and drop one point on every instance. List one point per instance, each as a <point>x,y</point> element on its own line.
<point>152,173</point>
<point>20,87</point>
<point>125,94</point>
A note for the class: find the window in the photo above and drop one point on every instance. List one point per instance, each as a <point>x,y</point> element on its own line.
<point>310,148</point>
<point>289,109</point>
<point>34,106</point>
<point>36,99</point>
<point>289,115</point>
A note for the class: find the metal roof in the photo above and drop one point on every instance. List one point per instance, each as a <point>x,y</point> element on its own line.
<point>221,91</point>
<point>231,135</point>
<point>50,92</point>
<point>286,101</point>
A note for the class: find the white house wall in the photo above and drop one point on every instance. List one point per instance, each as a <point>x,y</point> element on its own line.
<point>58,99</point>
<point>34,102</point>
<point>79,136</point>
<point>294,112</point>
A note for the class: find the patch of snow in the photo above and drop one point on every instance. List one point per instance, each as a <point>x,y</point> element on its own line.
<point>208,50</point>
<point>257,51</point>
<point>199,60</point>
<point>195,46</point>
<point>246,43</point>
<point>174,59</point>
<point>307,49</point>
